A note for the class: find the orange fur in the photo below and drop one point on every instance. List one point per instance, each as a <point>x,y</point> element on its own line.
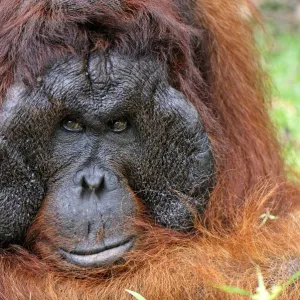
<point>222,77</point>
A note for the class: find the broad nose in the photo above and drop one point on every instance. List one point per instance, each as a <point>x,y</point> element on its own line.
<point>92,183</point>
<point>91,179</point>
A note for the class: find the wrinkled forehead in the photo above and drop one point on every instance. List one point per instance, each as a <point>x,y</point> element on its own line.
<point>103,85</point>
<point>102,74</point>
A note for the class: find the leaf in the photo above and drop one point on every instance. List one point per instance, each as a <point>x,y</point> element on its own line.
<point>235,290</point>
<point>292,279</point>
<point>135,295</point>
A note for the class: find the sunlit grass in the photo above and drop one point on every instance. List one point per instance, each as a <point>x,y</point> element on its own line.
<point>261,292</point>
<point>136,295</point>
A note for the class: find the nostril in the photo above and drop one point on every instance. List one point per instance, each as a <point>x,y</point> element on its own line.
<point>92,183</point>
<point>84,184</point>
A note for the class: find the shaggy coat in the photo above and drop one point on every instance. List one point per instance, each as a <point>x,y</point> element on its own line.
<point>208,47</point>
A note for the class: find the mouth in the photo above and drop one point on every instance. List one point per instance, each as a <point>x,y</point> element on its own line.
<point>100,257</point>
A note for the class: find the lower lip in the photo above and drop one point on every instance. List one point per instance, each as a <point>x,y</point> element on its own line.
<point>103,258</point>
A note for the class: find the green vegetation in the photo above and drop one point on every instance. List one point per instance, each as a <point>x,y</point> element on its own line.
<point>262,293</point>
<point>282,57</point>
<point>136,295</point>
<point>281,49</point>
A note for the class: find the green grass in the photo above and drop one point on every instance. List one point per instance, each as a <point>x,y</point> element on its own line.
<point>261,292</point>
<point>282,56</point>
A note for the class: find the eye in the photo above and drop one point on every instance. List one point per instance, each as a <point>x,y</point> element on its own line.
<point>118,125</point>
<point>72,125</point>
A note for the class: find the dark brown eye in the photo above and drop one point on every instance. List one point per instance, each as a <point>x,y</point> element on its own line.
<point>118,125</point>
<point>72,125</point>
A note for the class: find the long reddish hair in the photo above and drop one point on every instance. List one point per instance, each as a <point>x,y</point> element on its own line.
<point>211,57</point>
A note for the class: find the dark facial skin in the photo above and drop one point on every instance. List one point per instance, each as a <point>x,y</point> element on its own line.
<point>90,135</point>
